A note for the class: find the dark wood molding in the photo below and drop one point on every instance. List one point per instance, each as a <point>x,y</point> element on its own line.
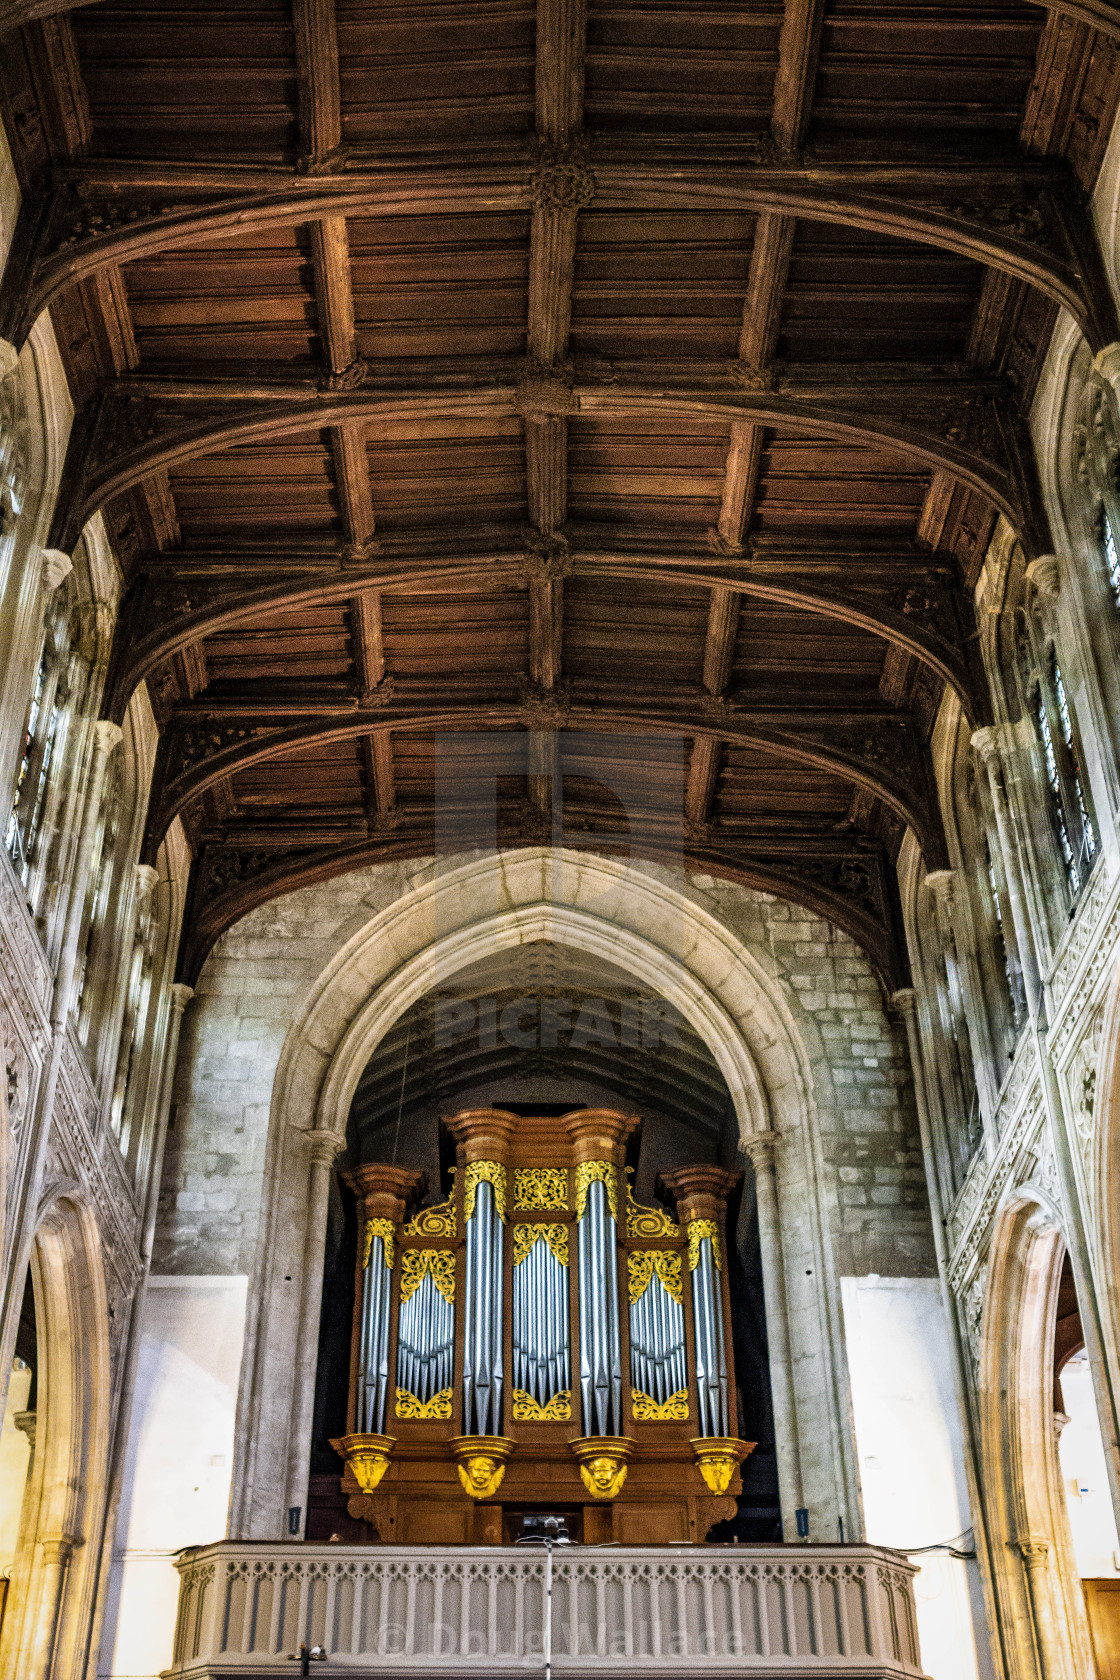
<point>1029,219</point>
<point>970,429</point>
<point>916,606</point>
<point>879,751</point>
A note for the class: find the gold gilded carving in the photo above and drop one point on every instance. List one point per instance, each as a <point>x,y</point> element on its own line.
<point>603,1463</point>
<point>526,1235</point>
<point>482,1462</point>
<point>385,1229</point>
<point>647,1410</point>
<point>596,1172</point>
<point>439,1262</point>
<point>492,1173</point>
<point>423,1411</point>
<point>642,1221</point>
<point>433,1222</point>
<point>367,1456</point>
<point>699,1229</point>
<point>718,1457</point>
<point>540,1189</point>
<point>641,1265</point>
<point>556,1410</point>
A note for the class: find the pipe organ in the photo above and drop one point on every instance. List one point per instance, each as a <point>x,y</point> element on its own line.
<point>541,1342</point>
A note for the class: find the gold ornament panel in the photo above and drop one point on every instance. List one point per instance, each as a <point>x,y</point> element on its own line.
<point>648,1410</point>
<point>433,1222</point>
<point>488,1172</point>
<point>596,1172</point>
<point>643,1264</point>
<point>526,1235</point>
<point>437,1409</point>
<point>439,1263</point>
<point>642,1221</point>
<point>699,1229</point>
<point>540,1189</point>
<point>387,1231</point>
<point>556,1410</point>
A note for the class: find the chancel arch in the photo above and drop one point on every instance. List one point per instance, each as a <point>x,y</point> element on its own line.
<point>605,910</point>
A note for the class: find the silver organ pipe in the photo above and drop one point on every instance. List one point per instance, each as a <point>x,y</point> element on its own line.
<point>707,1309</point>
<point>373,1344</point>
<point>483,1365</point>
<point>541,1350</point>
<point>599,1338</point>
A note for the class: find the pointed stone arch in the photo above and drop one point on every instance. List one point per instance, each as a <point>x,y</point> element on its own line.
<point>638,921</point>
<point>54,1585</point>
<point>1035,1580</point>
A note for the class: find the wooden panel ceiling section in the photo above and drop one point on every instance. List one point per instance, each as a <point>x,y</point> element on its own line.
<point>636,381</point>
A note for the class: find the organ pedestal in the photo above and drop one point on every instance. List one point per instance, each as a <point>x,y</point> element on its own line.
<point>541,1343</point>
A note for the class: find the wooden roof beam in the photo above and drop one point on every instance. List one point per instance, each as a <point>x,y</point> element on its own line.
<point>971,429</point>
<point>915,604</point>
<point>1028,218</point>
<point>877,750</point>
<point>799,47</point>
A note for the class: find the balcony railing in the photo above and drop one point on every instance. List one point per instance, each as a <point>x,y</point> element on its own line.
<point>477,1612</point>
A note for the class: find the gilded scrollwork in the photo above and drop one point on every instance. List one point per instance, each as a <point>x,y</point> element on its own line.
<point>642,1221</point>
<point>699,1229</point>
<point>387,1231</point>
<point>485,1172</point>
<point>643,1264</point>
<point>436,1221</point>
<point>540,1189</point>
<point>596,1172</point>
<point>526,1235</point>
<point>436,1263</point>
<point>647,1410</point>
<point>435,1410</point>
<point>556,1410</point>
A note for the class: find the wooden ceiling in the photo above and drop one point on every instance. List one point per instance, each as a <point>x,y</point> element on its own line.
<point>639,380</point>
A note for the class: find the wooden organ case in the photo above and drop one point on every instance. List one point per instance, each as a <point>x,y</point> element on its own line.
<point>541,1343</point>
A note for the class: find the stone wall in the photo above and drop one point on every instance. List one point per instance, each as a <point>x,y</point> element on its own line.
<point>250,991</point>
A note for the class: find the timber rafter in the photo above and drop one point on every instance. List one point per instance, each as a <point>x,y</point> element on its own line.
<point>1028,219</point>
<point>919,607</point>
<point>971,429</point>
<point>878,751</point>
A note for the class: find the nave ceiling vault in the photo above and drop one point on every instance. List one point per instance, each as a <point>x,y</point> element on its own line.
<point>647,379</point>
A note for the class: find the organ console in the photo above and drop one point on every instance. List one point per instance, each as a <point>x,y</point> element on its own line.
<point>541,1343</point>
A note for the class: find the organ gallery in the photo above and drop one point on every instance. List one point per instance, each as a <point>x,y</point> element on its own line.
<point>539,1343</point>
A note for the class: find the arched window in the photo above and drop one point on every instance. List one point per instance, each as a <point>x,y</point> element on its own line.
<point>41,734</point>
<point>1076,831</point>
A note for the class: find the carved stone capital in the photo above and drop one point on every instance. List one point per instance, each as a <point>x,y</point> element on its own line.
<point>1106,363</point>
<point>324,1147</point>
<point>9,358</point>
<point>147,879</point>
<point>106,736</point>
<point>180,996</point>
<point>989,745</point>
<point>57,566</point>
<point>1046,575</point>
<point>941,883</point>
<point>905,1000</point>
<point>1033,1550</point>
<point>760,1148</point>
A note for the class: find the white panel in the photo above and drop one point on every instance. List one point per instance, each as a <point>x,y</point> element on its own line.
<point>1081,1452</point>
<point>180,1458</point>
<point>911,1458</point>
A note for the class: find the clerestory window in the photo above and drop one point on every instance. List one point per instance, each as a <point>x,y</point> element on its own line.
<point>1076,831</point>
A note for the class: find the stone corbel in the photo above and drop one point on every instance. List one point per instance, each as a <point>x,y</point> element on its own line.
<point>1045,576</point>
<point>57,567</point>
<point>1106,364</point>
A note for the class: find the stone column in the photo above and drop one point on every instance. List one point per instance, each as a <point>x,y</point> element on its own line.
<point>1052,1652</point>
<point>323,1148</point>
<point>987,743</point>
<point>105,739</point>
<point>762,1148</point>
<point>53,1567</point>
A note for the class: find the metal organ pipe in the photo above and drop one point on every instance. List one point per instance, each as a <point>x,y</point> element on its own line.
<point>483,1363</point>
<point>373,1373</point>
<point>711,1358</point>
<point>600,1342</point>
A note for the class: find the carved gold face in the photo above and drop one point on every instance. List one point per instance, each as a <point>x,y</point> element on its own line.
<point>717,1470</point>
<point>481,1476</point>
<point>603,1477</point>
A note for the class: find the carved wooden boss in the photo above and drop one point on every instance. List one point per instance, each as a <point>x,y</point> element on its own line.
<point>541,1343</point>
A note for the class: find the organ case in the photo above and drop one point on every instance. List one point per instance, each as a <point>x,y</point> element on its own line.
<point>540,1342</point>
